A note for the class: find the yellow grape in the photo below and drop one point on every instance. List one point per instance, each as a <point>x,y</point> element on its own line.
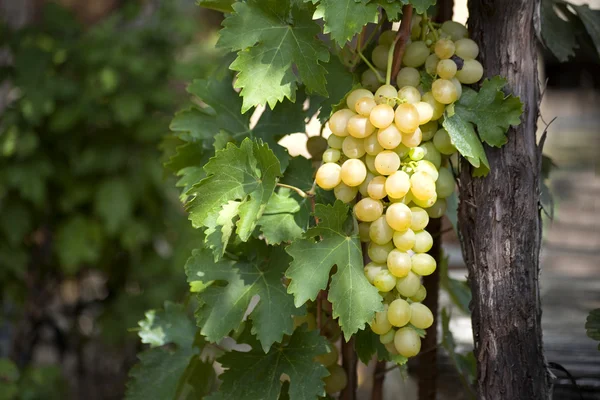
<point>329,358</point>
<point>397,184</point>
<point>431,64</point>
<point>391,348</point>
<point>422,186</point>
<point>409,94</point>
<point>409,285</point>
<point>384,281</point>
<point>380,324</point>
<point>425,203</point>
<point>398,312</point>
<point>446,69</point>
<point>420,219</point>
<point>389,138</point>
<point>355,95</point>
<point>345,193</point>
<point>444,48</point>
<point>455,30</point>
<point>353,172</point>
<point>331,155</point>
<point>423,242</point>
<point>308,319</point>
<point>364,105</point>
<point>387,162</point>
<point>382,116</point>
<point>421,316</point>
<point>425,112</point>
<point>368,210</point>
<point>437,209</point>
<point>404,241</point>
<point>466,49</point>
<point>471,72</point>
<point>353,147</point>
<point>339,121</point>
<point>329,175</point>
<point>398,216</point>
<point>380,232</point>
<point>406,118</point>
<point>362,188</point>
<point>443,91</point>
<point>412,139</point>
<point>407,342</point>
<point>372,269</point>
<point>408,77</point>
<point>384,93</point>
<point>379,252</point>
<point>363,231</point>
<point>458,87</point>
<point>372,146</point>
<point>388,337</point>
<point>335,142</point>
<point>369,80</point>
<point>399,263</point>
<point>360,127</point>
<point>421,294</point>
<point>423,264</point>
<point>438,108</point>
<point>337,379</point>
<point>376,188</point>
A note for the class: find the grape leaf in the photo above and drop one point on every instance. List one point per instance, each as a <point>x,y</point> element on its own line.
<point>113,203</point>
<point>556,33</point>
<point>168,325</point>
<point>270,38</point>
<point>345,18</point>
<point>490,110</point>
<point>367,344</point>
<point>421,6</point>
<point>220,227</point>
<point>393,9</point>
<point>591,20</point>
<point>339,83</point>
<point>219,5</point>
<point>255,375</point>
<point>247,173</point>
<point>282,220</point>
<point>222,308</point>
<point>592,325</point>
<point>353,298</point>
<point>78,240</point>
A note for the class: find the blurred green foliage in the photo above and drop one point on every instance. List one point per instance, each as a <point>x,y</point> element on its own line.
<point>82,188</point>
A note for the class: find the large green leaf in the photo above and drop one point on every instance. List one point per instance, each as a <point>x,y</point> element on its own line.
<point>339,83</point>
<point>353,298</point>
<point>222,307</point>
<point>114,203</point>
<point>167,325</point>
<point>591,20</point>
<point>255,375</point>
<point>283,220</point>
<point>271,37</point>
<point>345,18</point>
<point>78,241</point>
<point>247,173</point>
<point>219,5</point>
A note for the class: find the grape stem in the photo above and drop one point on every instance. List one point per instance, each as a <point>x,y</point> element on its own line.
<point>301,192</point>
<point>401,39</point>
<point>371,66</point>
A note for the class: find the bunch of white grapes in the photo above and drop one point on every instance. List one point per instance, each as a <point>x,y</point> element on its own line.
<point>388,155</point>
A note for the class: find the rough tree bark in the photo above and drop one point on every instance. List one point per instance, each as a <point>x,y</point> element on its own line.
<point>499,217</point>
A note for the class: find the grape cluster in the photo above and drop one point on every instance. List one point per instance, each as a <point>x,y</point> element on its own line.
<point>389,156</point>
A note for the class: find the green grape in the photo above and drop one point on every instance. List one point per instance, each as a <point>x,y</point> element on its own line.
<point>416,153</point>
<point>415,27</point>
<point>360,127</point>
<point>427,167</point>
<point>398,313</point>
<point>404,241</point>
<point>422,186</point>
<point>391,348</point>
<point>444,91</point>
<point>466,49</point>
<point>353,147</point>
<point>308,319</point>
<point>456,30</point>
<point>368,210</point>
<point>380,324</point>
<point>406,118</point>
<point>345,193</point>
<point>389,138</point>
<point>415,54</point>
<point>372,146</point>
<point>370,162</point>
<point>471,72</point>
<point>458,87</point>
<point>363,231</point>
<point>335,142</point>
<point>339,121</point>
<point>445,184</point>
<point>409,285</point>
<point>419,220</point>
<point>401,150</point>
<point>408,77</point>
<point>425,112</point>
<point>380,56</point>
<point>397,184</point>
<point>379,252</point>
<point>446,69</point>
<point>380,232</point>
<point>398,216</point>
<point>329,175</point>
<point>431,64</point>
<point>437,209</point>
<point>388,337</point>
<point>364,106</point>
<point>407,342</point>
<point>316,146</point>
<point>421,316</point>
<point>423,264</point>
<point>423,242</point>
<point>354,96</point>
<point>444,48</point>
<point>331,155</point>
<point>432,154</point>
<point>384,281</point>
<point>372,269</point>
<point>429,129</point>
<point>443,142</point>
<point>376,188</point>
<point>438,108</point>
<point>399,263</point>
<point>369,80</point>
<point>427,203</point>
<point>382,116</point>
<point>337,379</point>
<point>412,139</point>
<point>362,188</point>
<point>353,172</point>
<point>387,37</point>
<point>384,93</point>
<point>329,358</point>
<point>387,162</point>
<point>421,294</point>
<point>409,94</point>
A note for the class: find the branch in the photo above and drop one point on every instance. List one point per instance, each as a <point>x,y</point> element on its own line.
<point>402,38</point>
<point>378,377</point>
